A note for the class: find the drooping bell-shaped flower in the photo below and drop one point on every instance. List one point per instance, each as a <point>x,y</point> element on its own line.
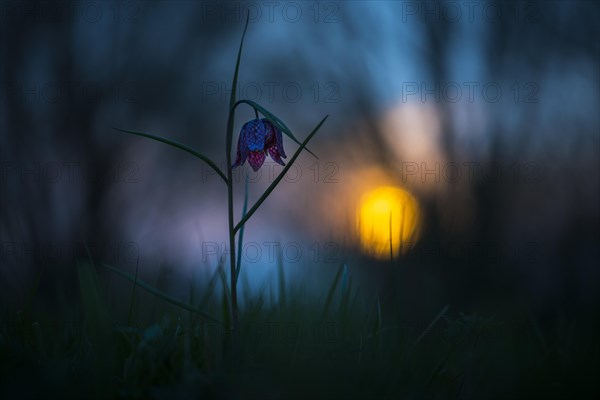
<point>257,138</point>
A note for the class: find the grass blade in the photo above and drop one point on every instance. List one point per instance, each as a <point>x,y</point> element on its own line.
<point>345,297</point>
<point>230,217</point>
<point>227,313</point>
<point>354,299</point>
<point>281,275</point>
<point>379,322</point>
<point>99,326</point>
<point>439,367</point>
<point>137,267</point>
<point>93,304</point>
<point>345,279</point>
<point>32,291</point>
<point>159,294</point>
<point>336,280</point>
<point>233,91</point>
<point>180,146</point>
<point>431,324</point>
<point>211,284</point>
<point>223,275</point>
<point>279,178</point>
<point>241,236</point>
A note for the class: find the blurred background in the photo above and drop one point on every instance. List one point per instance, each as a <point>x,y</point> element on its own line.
<point>472,125</point>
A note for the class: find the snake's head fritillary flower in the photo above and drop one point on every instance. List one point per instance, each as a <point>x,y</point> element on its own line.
<point>257,138</point>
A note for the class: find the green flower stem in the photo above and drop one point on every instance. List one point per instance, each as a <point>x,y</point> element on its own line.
<point>241,234</point>
<point>230,123</point>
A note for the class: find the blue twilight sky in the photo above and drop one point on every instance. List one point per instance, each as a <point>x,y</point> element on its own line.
<point>404,82</point>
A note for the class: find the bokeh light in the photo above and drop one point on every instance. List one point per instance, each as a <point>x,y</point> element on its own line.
<point>388,218</point>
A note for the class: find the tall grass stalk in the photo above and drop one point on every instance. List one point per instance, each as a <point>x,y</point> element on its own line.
<point>229,141</point>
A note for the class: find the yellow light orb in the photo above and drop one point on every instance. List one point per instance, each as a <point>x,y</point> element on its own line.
<point>388,219</point>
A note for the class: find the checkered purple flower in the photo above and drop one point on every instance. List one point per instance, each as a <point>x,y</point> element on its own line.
<point>257,138</point>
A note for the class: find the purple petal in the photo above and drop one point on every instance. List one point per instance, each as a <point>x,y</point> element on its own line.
<point>254,133</point>
<point>242,152</point>
<point>274,153</point>
<point>279,140</point>
<point>274,138</point>
<point>256,159</point>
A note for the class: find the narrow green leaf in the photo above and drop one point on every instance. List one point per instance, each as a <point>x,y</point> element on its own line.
<point>354,299</point>
<point>246,288</point>
<point>345,279</point>
<point>279,178</point>
<point>94,306</point>
<point>137,267</point>
<point>90,291</point>
<point>193,288</point>
<point>211,286</point>
<point>336,280</point>
<point>223,276</point>
<point>241,236</point>
<point>233,91</point>
<point>99,324</point>
<point>379,321</point>
<point>159,294</point>
<point>227,313</point>
<point>281,275</point>
<point>273,119</point>
<point>431,324</point>
<point>32,291</point>
<point>439,367</point>
<point>345,296</point>
<point>179,146</point>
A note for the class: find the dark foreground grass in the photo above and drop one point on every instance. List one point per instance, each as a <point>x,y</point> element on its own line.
<point>337,345</point>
